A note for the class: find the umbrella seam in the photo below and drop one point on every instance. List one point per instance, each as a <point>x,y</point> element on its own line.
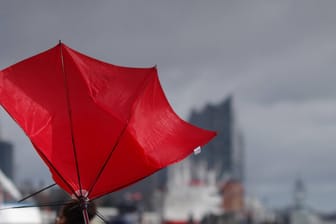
<point>70,119</point>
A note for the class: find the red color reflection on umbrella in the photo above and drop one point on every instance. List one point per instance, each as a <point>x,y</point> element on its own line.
<point>98,127</point>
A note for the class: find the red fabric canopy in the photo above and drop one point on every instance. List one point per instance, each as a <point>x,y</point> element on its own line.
<point>99,127</point>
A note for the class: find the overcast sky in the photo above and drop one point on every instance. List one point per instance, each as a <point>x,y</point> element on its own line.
<point>277,58</point>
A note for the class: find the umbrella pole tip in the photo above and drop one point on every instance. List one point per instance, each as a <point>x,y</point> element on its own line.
<point>60,42</point>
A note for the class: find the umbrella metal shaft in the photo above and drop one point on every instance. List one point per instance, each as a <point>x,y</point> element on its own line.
<point>85,215</point>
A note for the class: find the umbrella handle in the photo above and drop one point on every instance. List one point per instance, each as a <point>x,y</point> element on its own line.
<point>84,203</point>
<point>85,215</point>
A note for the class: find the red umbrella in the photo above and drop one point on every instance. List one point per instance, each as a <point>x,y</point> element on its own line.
<point>98,127</point>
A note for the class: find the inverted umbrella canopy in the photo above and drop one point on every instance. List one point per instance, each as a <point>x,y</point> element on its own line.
<point>97,126</point>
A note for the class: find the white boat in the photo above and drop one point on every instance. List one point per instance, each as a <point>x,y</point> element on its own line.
<point>189,199</point>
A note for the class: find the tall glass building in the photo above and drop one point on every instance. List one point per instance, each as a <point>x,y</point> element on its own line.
<point>225,153</point>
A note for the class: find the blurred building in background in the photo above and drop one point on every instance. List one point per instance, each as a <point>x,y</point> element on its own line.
<point>225,153</point>
<point>233,196</point>
<point>7,158</point>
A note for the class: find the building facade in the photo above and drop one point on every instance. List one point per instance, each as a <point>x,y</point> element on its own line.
<point>7,159</point>
<point>225,153</point>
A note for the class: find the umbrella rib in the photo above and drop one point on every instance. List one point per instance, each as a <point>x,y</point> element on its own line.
<point>54,168</point>
<point>70,120</point>
<point>108,158</point>
<point>37,192</point>
<point>57,203</point>
<point>99,215</point>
